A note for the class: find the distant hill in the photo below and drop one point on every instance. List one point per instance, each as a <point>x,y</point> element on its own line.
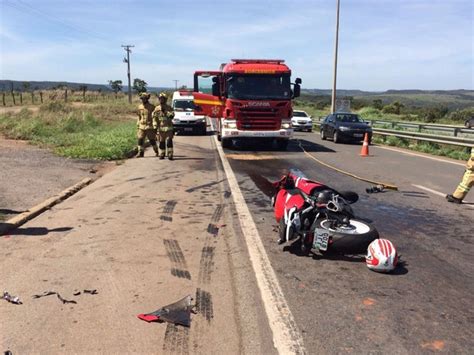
<point>5,85</point>
<point>453,99</point>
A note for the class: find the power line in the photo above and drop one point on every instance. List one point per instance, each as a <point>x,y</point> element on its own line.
<point>24,7</point>
<point>127,60</point>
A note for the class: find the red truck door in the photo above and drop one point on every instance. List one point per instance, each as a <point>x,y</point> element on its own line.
<point>207,93</point>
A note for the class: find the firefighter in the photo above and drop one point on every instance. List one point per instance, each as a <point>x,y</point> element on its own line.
<point>466,183</point>
<point>145,125</point>
<point>163,118</point>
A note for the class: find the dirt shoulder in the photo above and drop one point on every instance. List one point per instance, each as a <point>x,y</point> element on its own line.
<point>29,175</point>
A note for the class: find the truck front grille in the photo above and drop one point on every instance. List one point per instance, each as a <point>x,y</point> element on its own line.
<point>258,119</point>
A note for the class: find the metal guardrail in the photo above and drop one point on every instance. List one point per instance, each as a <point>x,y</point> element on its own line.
<point>420,136</point>
<point>425,126</point>
<point>459,141</point>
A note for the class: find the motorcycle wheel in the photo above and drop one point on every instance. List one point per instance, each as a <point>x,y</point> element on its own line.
<point>354,238</point>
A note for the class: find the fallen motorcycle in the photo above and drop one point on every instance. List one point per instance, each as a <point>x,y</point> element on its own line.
<point>321,216</point>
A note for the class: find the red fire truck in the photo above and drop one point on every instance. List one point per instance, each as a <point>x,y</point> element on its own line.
<point>248,99</point>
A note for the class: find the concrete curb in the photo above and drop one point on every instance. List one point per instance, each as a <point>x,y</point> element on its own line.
<point>24,217</point>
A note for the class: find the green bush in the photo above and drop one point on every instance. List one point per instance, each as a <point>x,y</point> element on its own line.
<point>462,115</point>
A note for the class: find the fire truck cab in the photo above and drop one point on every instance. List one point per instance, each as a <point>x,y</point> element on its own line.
<point>248,99</point>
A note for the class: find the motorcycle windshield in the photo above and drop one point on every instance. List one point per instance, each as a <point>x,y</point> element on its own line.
<point>297,173</point>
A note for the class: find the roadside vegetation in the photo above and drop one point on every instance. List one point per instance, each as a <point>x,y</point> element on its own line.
<point>104,130</point>
<point>318,106</point>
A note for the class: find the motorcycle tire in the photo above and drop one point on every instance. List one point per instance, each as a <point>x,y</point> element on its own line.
<point>353,239</point>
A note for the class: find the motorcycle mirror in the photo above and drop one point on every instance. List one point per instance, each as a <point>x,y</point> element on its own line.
<point>350,196</point>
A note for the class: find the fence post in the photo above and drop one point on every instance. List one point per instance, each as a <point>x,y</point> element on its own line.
<point>3,99</point>
<point>21,98</point>
<point>41,96</point>
<point>13,96</point>
<point>65,95</point>
<point>32,97</point>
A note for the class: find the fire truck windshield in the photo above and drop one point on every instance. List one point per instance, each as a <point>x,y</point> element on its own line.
<point>258,87</point>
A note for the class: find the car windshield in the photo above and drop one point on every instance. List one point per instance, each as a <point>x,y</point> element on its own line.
<point>259,87</point>
<point>183,105</point>
<point>348,118</point>
<point>299,114</point>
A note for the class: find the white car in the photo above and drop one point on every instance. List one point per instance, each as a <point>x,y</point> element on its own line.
<point>301,121</point>
<point>185,117</point>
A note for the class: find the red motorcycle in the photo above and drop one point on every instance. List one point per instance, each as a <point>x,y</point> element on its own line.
<point>321,216</point>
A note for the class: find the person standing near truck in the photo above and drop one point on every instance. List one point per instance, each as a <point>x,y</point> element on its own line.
<point>163,118</point>
<point>145,125</point>
<point>466,183</point>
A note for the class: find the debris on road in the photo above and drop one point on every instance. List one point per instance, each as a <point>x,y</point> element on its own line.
<point>375,189</point>
<point>11,299</point>
<point>176,313</point>
<point>49,293</point>
<point>92,292</point>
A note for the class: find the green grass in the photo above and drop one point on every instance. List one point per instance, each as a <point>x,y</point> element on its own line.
<point>93,133</point>
<point>449,151</point>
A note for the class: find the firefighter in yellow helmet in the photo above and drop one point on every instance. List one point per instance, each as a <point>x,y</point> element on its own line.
<point>163,118</point>
<point>466,183</point>
<point>145,125</point>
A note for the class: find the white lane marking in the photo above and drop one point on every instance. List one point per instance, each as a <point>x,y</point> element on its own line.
<point>420,155</point>
<point>436,193</point>
<point>286,336</point>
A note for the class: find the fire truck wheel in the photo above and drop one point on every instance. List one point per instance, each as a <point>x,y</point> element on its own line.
<point>226,143</point>
<point>282,144</point>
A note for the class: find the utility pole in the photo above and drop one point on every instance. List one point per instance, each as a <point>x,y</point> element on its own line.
<point>127,60</point>
<point>333,100</point>
<point>176,84</point>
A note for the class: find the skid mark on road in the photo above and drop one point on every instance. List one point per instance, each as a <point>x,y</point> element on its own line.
<point>192,189</point>
<point>176,339</point>
<point>167,214</point>
<point>212,228</point>
<point>206,265</point>
<point>175,254</point>
<point>204,304</point>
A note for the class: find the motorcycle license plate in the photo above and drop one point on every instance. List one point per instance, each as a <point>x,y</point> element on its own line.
<point>322,239</point>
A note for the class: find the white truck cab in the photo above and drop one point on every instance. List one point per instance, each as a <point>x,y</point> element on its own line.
<point>185,117</point>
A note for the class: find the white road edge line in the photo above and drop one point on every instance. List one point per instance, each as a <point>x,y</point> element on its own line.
<point>420,155</point>
<point>286,336</point>
<point>435,192</point>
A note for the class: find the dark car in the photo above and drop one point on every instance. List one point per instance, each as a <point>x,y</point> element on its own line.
<point>345,126</point>
<point>469,123</point>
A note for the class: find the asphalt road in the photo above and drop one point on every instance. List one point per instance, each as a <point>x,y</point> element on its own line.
<point>151,232</point>
<point>340,305</point>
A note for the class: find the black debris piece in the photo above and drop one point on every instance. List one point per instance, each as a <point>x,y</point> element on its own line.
<point>175,313</point>
<point>11,299</point>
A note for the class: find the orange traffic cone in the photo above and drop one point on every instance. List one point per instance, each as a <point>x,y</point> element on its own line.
<point>364,152</point>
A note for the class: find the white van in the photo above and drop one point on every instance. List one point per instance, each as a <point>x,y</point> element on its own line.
<point>185,117</point>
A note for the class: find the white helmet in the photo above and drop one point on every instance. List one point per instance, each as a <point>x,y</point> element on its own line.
<point>381,256</point>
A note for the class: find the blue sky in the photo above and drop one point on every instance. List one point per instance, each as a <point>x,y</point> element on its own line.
<point>384,44</point>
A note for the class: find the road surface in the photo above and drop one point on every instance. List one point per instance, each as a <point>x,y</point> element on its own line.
<point>152,232</point>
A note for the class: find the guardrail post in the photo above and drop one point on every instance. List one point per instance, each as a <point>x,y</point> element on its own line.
<point>393,124</point>
<point>456,131</point>
<point>420,127</point>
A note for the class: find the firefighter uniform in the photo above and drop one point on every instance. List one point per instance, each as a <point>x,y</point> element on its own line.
<point>163,118</point>
<point>466,183</point>
<point>146,127</point>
